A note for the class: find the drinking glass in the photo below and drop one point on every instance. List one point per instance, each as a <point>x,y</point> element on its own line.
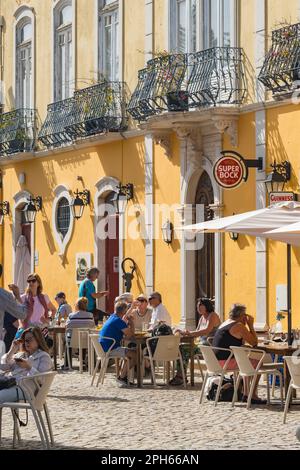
<point>145,327</point>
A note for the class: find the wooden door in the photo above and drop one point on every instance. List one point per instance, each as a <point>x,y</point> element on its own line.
<point>112,263</point>
<point>205,258</point>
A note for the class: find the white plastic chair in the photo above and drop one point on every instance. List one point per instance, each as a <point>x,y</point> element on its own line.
<point>293,364</point>
<point>79,340</point>
<point>103,358</point>
<point>247,370</point>
<point>35,389</point>
<point>213,367</point>
<point>166,350</point>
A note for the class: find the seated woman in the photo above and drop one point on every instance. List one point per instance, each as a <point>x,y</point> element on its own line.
<point>236,331</point>
<point>27,356</point>
<point>80,319</point>
<point>140,312</point>
<point>209,322</point>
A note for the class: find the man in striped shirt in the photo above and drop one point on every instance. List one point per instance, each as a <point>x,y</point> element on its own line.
<point>80,319</point>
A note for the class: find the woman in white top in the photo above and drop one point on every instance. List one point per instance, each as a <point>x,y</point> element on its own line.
<point>27,356</point>
<point>38,304</point>
<point>140,312</point>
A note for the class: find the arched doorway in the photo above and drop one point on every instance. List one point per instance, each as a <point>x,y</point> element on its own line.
<point>205,257</point>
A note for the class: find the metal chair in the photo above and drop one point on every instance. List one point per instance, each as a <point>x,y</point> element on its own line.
<point>213,368</point>
<point>35,389</point>
<point>167,350</point>
<point>293,364</point>
<point>247,370</point>
<point>103,359</point>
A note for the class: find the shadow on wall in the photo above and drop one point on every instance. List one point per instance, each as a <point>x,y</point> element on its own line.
<point>250,76</point>
<point>276,148</point>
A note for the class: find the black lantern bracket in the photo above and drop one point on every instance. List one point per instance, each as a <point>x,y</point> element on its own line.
<point>126,190</point>
<point>253,163</point>
<point>37,202</point>
<point>4,208</point>
<point>85,196</point>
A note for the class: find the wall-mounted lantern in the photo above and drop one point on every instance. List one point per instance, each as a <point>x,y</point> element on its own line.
<point>124,193</point>
<point>33,206</point>
<point>276,180</point>
<point>78,204</point>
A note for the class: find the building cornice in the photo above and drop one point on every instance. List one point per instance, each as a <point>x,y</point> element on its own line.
<point>89,142</point>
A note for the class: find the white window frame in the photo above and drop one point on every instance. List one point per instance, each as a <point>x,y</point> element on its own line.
<point>23,15</point>
<point>173,26</point>
<point>58,6</point>
<point>220,15</point>
<point>104,10</point>
<point>61,191</point>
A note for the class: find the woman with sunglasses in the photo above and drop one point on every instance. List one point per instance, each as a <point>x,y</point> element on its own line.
<point>27,356</point>
<point>38,304</point>
<point>209,322</point>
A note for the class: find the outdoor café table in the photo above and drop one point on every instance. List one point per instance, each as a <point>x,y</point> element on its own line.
<point>280,349</point>
<point>140,340</point>
<point>191,341</point>
<point>56,330</point>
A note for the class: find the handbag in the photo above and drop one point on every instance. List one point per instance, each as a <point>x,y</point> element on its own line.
<point>7,382</point>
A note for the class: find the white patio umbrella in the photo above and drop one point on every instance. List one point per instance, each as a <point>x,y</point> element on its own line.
<point>22,263</point>
<point>261,223</point>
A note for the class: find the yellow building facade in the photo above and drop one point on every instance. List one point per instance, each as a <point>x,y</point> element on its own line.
<point>147,92</point>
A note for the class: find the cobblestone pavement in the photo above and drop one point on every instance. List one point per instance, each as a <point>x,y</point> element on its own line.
<point>113,417</point>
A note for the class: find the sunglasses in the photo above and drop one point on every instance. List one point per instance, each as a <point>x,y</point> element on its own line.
<point>28,340</point>
<point>142,300</point>
<point>31,281</point>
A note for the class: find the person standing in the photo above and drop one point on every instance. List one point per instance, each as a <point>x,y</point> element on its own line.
<point>160,313</point>
<point>88,290</point>
<point>11,304</point>
<point>38,304</point>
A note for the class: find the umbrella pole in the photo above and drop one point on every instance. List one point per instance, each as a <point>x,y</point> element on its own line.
<point>289,294</point>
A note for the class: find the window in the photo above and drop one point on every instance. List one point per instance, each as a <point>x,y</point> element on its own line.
<point>219,18</point>
<point>63,217</point>
<point>109,39</point>
<point>183,25</point>
<point>62,222</point>
<point>24,64</point>
<point>63,60</point>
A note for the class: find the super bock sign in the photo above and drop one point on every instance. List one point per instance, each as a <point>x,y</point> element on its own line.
<point>231,170</point>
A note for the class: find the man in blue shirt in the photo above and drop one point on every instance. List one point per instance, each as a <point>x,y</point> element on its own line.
<point>116,327</point>
<point>88,290</point>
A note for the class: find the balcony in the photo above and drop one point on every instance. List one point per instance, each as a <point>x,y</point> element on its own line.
<point>183,81</point>
<point>94,110</point>
<point>281,69</point>
<point>17,131</point>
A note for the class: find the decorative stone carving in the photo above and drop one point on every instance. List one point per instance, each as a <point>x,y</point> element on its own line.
<point>164,140</point>
<point>217,209</point>
<point>230,126</point>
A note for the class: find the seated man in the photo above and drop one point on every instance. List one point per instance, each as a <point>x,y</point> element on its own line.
<point>116,328</point>
<point>159,312</point>
<point>80,319</point>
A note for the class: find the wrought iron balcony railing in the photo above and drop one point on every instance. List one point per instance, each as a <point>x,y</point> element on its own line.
<point>98,109</point>
<point>17,131</point>
<point>159,87</point>
<point>178,82</point>
<point>216,76</point>
<point>53,131</point>
<point>90,111</point>
<point>281,69</point>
